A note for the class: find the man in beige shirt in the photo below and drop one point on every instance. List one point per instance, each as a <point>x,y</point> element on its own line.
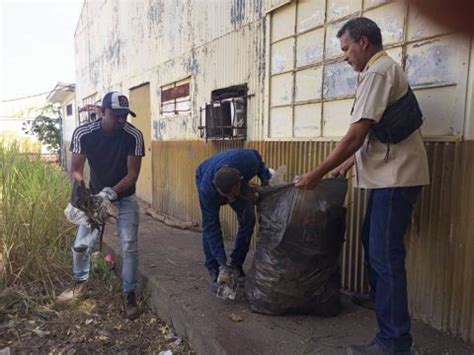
<point>394,173</point>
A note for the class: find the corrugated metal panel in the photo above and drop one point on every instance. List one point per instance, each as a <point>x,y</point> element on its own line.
<point>440,242</point>
<point>174,190</point>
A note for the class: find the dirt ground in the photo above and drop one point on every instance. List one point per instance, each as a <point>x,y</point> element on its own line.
<point>31,323</point>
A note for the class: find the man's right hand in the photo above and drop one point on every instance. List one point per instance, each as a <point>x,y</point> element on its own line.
<point>108,193</point>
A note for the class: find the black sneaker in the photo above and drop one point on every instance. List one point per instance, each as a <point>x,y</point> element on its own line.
<point>239,275</point>
<point>131,307</point>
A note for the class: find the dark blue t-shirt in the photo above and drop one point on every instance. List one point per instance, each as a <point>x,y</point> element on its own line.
<point>107,154</point>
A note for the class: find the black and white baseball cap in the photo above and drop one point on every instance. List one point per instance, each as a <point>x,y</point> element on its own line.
<point>118,103</point>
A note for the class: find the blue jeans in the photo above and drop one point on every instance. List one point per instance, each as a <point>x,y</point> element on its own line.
<point>127,228</point>
<point>245,211</point>
<point>388,216</point>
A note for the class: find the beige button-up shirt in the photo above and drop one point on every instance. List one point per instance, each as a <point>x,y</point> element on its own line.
<point>382,83</point>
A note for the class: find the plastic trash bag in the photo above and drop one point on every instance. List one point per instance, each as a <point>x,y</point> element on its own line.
<point>277,176</point>
<point>296,264</point>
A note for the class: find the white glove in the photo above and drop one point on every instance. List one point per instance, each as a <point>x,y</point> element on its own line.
<point>75,215</point>
<point>108,193</point>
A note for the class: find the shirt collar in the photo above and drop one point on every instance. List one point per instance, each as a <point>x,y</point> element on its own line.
<point>374,59</point>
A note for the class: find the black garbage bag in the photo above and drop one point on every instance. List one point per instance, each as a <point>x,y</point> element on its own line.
<point>296,264</point>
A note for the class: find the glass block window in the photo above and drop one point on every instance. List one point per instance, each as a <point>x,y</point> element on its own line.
<point>311,88</point>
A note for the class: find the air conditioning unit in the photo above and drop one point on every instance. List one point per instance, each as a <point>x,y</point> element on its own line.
<point>224,119</point>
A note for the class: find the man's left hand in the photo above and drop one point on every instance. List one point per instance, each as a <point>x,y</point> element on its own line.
<point>105,209</point>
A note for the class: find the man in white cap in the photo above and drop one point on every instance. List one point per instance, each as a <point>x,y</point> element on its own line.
<point>114,149</point>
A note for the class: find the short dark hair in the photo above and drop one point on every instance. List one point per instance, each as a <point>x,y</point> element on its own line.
<point>362,26</point>
<point>226,178</point>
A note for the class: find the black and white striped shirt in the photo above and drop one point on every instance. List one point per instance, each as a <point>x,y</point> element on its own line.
<point>107,154</point>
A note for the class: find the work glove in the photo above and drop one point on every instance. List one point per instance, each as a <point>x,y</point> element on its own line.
<point>108,193</point>
<point>103,208</point>
<point>75,215</point>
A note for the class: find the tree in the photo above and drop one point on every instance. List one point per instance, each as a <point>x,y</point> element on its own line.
<point>47,127</point>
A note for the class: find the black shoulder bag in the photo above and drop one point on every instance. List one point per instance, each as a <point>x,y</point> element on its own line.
<point>398,121</point>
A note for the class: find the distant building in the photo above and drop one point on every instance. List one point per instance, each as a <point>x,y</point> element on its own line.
<point>64,95</point>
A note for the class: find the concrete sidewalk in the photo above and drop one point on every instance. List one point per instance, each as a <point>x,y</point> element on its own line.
<point>173,274</point>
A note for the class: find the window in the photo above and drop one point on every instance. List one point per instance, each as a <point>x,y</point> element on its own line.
<point>175,98</point>
<point>89,111</point>
<point>69,110</point>
<point>225,117</point>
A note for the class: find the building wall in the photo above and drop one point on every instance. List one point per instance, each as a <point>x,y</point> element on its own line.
<point>69,121</point>
<point>216,44</point>
<point>306,90</point>
<point>287,54</point>
<point>69,125</point>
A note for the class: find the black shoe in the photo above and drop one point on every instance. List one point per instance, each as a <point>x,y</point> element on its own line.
<point>239,275</point>
<point>131,307</point>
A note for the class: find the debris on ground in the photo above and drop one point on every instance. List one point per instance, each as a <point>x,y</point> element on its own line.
<point>227,286</point>
<point>235,317</point>
<point>33,323</point>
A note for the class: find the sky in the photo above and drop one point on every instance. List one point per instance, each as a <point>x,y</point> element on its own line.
<point>36,47</point>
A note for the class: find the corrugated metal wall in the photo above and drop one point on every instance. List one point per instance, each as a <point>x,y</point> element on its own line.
<point>440,242</point>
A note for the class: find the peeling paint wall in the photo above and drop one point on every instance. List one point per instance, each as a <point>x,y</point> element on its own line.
<point>217,44</point>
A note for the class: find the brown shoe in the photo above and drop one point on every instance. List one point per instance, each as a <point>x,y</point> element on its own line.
<point>73,293</point>
<point>131,308</point>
